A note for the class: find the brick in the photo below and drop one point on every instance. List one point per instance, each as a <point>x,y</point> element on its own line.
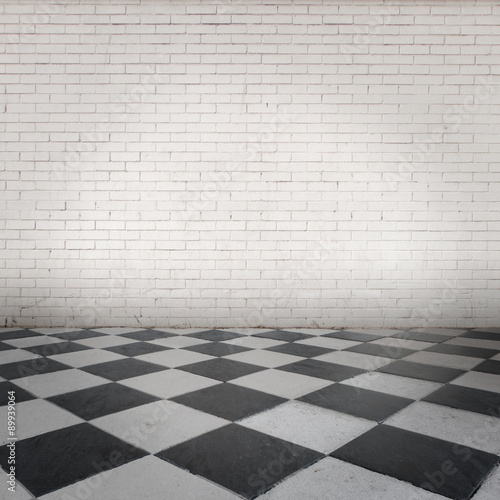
<point>213,147</point>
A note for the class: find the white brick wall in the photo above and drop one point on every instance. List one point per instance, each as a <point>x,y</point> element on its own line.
<point>250,163</point>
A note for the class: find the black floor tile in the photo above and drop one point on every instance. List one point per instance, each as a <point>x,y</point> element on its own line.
<point>284,335</point>
<point>466,398</point>
<point>145,335</point>
<point>355,336</point>
<point>422,337</point>
<point>488,366</point>
<point>18,334</point>
<point>421,371</point>
<point>136,349</point>
<point>53,349</point>
<point>217,349</point>
<point>477,334</point>
<point>20,394</point>
<point>305,351</point>
<point>460,350</point>
<point>102,400</point>
<point>37,366</point>
<point>384,351</point>
<point>78,335</point>
<point>221,369</point>
<point>56,459</point>
<point>6,347</point>
<point>229,401</point>
<point>123,368</point>
<point>322,369</point>
<point>448,469</point>
<point>362,403</point>
<point>240,459</point>
<point>215,335</point>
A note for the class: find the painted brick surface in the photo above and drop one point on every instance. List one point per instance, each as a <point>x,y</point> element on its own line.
<point>250,163</point>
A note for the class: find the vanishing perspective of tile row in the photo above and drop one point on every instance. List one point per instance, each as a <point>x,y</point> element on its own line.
<point>253,413</point>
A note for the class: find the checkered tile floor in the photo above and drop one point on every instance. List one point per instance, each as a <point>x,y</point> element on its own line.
<point>228,414</point>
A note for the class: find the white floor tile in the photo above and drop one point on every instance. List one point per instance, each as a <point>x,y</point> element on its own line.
<point>355,359</point>
<point>329,343</point>
<point>117,331</point>
<point>178,342</point>
<point>174,357</point>
<point>254,342</point>
<point>382,332</point>
<point>279,383</point>
<point>448,360</point>
<point>169,383</point>
<point>491,329</point>
<point>483,344</point>
<point>403,343</point>
<point>311,331</point>
<point>148,478</point>
<point>159,425</point>
<point>310,426</point>
<point>16,355</point>
<point>248,331</point>
<point>103,342</point>
<point>53,384</point>
<point>36,417</point>
<point>458,426</point>
<point>32,341</point>
<point>181,331</point>
<point>479,380</point>
<point>53,331</point>
<point>269,359</point>
<point>393,384</point>
<point>334,479</point>
<point>450,332</point>
<point>86,358</point>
